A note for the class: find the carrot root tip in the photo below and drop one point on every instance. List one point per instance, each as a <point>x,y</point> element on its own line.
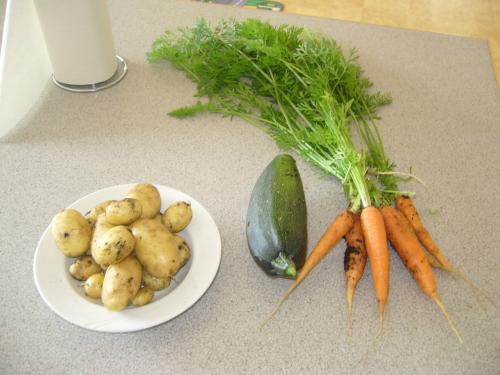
<point>381,325</point>
<point>349,313</point>
<point>473,285</point>
<point>448,318</point>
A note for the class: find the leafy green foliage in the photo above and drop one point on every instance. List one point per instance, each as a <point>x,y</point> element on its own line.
<point>296,85</point>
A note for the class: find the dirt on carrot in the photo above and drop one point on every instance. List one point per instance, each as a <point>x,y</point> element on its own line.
<point>354,264</point>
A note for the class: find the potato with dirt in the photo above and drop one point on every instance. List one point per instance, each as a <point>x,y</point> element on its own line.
<point>160,252</point>
<point>93,286</point>
<point>121,283</point>
<point>84,267</point>
<point>143,297</point>
<point>94,213</point>
<point>177,216</point>
<point>101,226</point>
<point>123,212</point>
<point>113,246</point>
<point>71,232</point>
<point>154,283</point>
<point>149,198</point>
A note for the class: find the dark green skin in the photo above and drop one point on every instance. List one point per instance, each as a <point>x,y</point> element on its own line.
<point>277,219</point>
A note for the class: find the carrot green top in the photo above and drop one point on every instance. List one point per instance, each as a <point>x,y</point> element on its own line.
<point>296,85</point>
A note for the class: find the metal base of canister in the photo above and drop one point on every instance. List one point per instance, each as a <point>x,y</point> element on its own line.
<point>121,70</point>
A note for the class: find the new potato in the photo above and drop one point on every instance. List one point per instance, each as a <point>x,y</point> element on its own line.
<point>143,297</point>
<point>93,286</point>
<point>92,215</point>
<point>154,283</point>
<point>160,252</point>
<point>71,232</point>
<point>123,212</point>
<point>149,198</point>
<point>177,216</point>
<point>84,267</point>
<point>113,246</point>
<point>101,226</point>
<point>121,283</point>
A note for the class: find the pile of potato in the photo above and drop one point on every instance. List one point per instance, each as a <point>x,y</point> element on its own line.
<point>125,250</point>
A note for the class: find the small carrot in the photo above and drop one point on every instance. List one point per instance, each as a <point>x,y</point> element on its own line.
<point>337,229</point>
<point>406,244</point>
<point>354,263</point>
<point>405,206</point>
<point>372,224</point>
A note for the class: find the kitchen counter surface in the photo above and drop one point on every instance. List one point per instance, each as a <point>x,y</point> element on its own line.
<point>444,123</point>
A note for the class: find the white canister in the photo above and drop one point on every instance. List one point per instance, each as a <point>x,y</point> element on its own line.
<point>79,40</point>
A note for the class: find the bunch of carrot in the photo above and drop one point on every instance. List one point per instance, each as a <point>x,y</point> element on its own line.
<point>367,231</point>
<point>366,235</point>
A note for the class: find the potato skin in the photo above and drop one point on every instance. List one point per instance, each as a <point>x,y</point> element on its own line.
<point>93,214</point>
<point>121,283</point>
<point>93,286</point>
<point>71,232</point>
<point>113,246</point>
<point>154,283</point>
<point>143,297</point>
<point>177,216</point>
<point>84,267</point>
<point>101,227</point>
<point>160,252</point>
<point>158,217</point>
<point>184,251</point>
<point>123,212</point>
<point>149,197</point>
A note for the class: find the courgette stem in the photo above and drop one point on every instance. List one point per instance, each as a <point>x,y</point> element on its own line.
<point>284,266</point>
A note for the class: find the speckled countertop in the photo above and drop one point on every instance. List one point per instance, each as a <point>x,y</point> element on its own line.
<point>444,123</point>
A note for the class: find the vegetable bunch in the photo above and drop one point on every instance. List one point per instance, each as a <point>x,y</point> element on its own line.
<point>301,89</point>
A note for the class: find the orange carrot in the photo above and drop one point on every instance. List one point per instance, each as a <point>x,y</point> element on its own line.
<point>375,238</point>
<point>335,231</point>
<point>354,263</point>
<point>406,244</point>
<point>405,205</point>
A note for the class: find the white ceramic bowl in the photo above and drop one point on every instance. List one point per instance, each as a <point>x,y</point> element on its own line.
<point>66,297</point>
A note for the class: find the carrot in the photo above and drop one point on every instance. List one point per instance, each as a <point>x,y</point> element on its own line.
<point>354,263</point>
<point>405,206</point>
<point>375,238</point>
<point>432,260</point>
<point>406,244</point>
<point>337,229</point>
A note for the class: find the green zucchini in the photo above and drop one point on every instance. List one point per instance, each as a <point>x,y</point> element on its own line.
<point>277,219</point>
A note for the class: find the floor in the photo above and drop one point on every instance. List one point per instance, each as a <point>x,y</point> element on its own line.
<point>470,18</point>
